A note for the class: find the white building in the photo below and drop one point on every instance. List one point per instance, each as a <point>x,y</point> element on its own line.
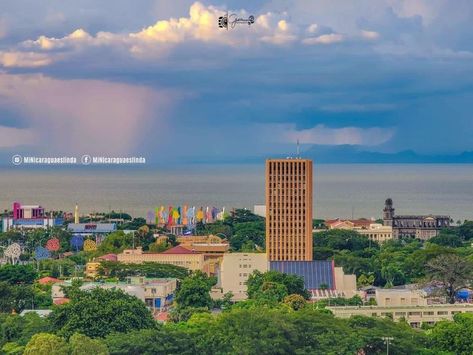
<point>234,272</point>
<point>260,210</point>
<point>376,232</point>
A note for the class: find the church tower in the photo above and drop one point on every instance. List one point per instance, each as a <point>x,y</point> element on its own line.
<point>388,212</point>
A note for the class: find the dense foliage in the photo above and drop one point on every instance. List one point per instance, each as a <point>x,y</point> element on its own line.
<point>17,274</point>
<point>147,269</point>
<point>107,321</point>
<point>99,312</point>
<point>244,230</point>
<point>274,285</point>
<point>393,263</point>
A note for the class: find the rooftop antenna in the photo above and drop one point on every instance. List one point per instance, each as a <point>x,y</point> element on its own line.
<point>298,150</point>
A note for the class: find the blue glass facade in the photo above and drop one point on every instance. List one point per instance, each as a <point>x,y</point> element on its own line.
<point>314,273</point>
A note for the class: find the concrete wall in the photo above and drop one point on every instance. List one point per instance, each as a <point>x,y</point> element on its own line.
<point>235,270</point>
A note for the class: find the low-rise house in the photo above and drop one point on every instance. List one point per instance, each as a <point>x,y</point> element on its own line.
<point>178,256</point>
<point>321,278</point>
<point>414,315</point>
<point>386,297</point>
<point>156,293</point>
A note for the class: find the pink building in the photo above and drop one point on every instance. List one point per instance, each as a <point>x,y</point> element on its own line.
<point>27,212</point>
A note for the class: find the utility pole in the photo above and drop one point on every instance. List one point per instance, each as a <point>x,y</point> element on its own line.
<point>387,341</point>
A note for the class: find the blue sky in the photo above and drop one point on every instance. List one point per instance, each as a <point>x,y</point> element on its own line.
<point>158,78</point>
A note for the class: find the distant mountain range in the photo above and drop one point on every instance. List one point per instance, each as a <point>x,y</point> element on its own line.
<point>353,154</point>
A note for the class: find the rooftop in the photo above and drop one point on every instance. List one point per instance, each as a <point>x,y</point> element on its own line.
<point>179,250</point>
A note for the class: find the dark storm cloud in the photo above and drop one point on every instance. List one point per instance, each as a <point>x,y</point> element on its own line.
<point>391,75</point>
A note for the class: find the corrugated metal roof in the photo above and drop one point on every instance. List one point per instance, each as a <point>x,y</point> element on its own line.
<point>314,273</point>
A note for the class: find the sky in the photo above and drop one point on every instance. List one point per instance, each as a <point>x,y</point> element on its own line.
<point>160,79</point>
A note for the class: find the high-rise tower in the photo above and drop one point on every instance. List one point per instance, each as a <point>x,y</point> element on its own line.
<point>289,209</point>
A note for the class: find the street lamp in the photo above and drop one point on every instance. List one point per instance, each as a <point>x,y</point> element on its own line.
<point>387,341</point>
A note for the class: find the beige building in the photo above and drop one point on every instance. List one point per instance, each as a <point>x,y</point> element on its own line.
<point>234,272</point>
<point>386,297</point>
<point>178,256</point>
<point>289,209</point>
<point>156,293</point>
<point>349,224</point>
<point>376,232</point>
<point>414,315</point>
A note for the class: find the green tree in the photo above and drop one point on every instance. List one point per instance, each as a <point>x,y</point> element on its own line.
<point>452,271</point>
<point>194,291</point>
<point>296,302</point>
<point>466,230</point>
<point>365,280</point>
<point>341,239</point>
<point>12,349</point>
<point>116,242</point>
<point>456,336</point>
<point>240,215</point>
<point>99,312</point>
<point>293,284</point>
<point>15,297</point>
<point>392,273</point>
<point>248,232</point>
<point>369,333</point>
<point>162,340</point>
<point>46,344</point>
<point>447,238</point>
<point>147,269</point>
<point>18,274</point>
<point>19,329</point>
<point>183,314</point>
<point>159,247</point>
<point>83,345</point>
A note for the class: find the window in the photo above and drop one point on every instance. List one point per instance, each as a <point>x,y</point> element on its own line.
<point>414,313</point>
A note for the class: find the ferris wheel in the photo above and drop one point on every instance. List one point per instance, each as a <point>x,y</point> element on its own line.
<point>13,252</point>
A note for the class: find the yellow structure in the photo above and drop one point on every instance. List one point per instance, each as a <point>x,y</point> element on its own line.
<point>191,239</point>
<point>178,256</point>
<point>289,209</point>
<point>91,269</point>
<point>76,214</point>
<point>234,272</point>
<point>213,248</point>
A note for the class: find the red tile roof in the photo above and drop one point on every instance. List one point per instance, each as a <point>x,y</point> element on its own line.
<point>179,250</point>
<point>108,257</point>
<point>357,222</point>
<point>47,280</point>
<point>59,301</point>
<point>162,317</point>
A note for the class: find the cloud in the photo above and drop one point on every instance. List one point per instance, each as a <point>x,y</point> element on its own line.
<point>75,38</point>
<point>322,135</point>
<point>159,39</point>
<point>324,39</point>
<point>83,115</point>
<point>371,35</point>
<point>17,59</point>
